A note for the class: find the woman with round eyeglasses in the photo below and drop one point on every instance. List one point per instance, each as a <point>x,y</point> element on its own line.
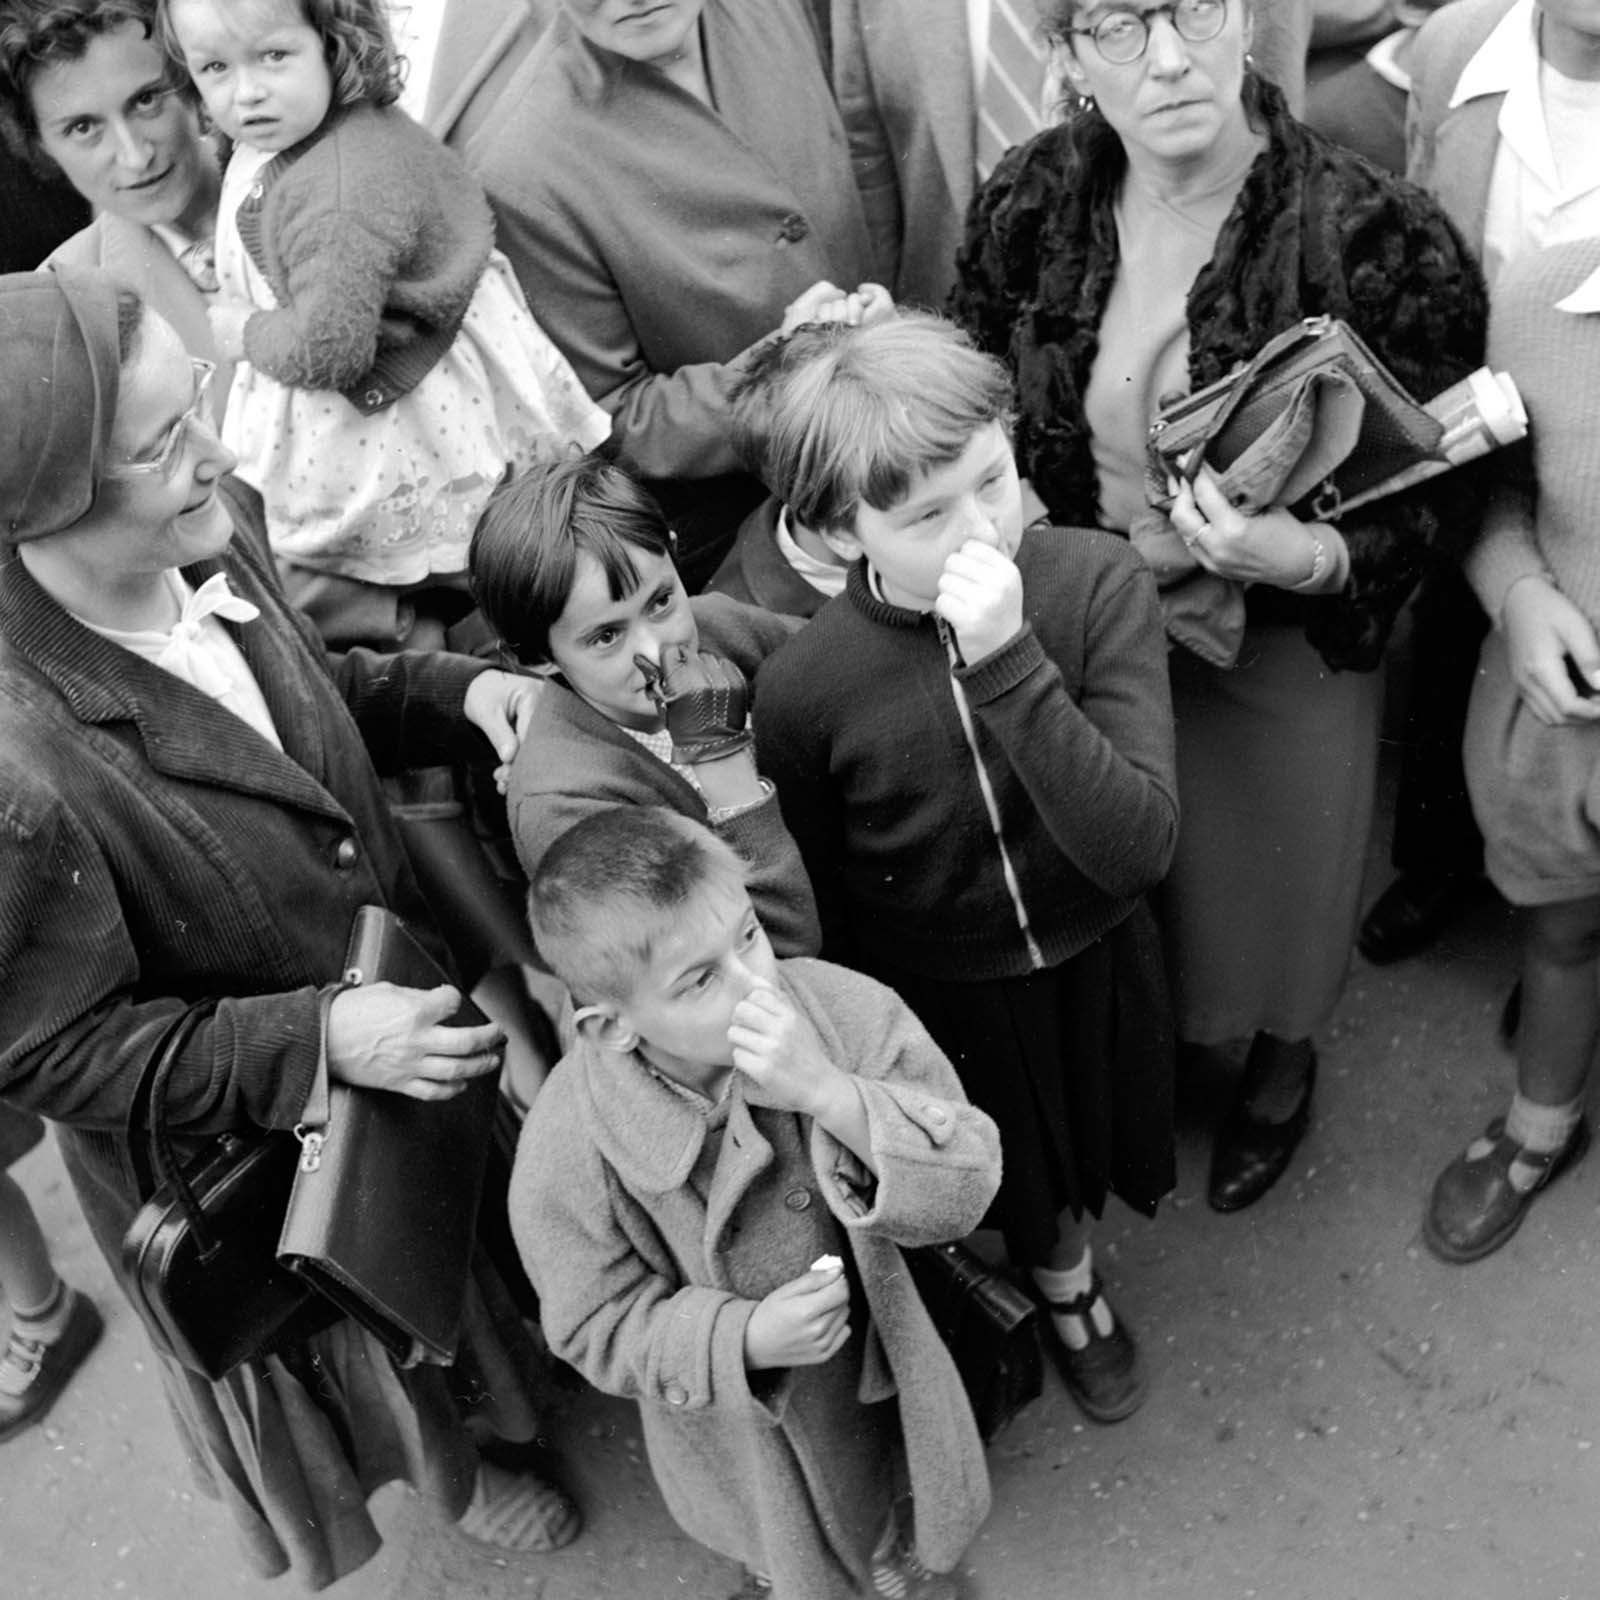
<point>1177,220</point>
<point>86,93</point>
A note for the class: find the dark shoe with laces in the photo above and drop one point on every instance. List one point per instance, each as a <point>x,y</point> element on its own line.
<point>1251,1152</point>
<point>1107,1377</point>
<point>1475,1207</point>
<point>1410,914</point>
<point>33,1373</point>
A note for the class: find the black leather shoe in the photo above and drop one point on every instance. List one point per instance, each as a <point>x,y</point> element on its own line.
<point>1410,914</point>
<point>1107,1376</point>
<point>1475,1207</point>
<point>1250,1154</point>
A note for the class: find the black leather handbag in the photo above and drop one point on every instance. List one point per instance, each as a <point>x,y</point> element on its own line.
<point>199,1260</point>
<point>990,1327</point>
<point>382,1214</point>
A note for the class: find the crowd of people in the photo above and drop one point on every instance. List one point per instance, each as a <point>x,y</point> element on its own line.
<point>680,531</point>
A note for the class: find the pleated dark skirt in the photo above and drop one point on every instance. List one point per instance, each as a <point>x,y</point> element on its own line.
<point>1075,1065</point>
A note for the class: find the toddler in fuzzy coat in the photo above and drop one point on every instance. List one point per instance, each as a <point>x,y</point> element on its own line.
<point>710,1196</point>
<point>390,372</point>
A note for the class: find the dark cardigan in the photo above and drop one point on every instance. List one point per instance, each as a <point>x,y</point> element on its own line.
<point>1315,229</point>
<point>858,725</point>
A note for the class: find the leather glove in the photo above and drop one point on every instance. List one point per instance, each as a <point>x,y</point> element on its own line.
<point>706,702</point>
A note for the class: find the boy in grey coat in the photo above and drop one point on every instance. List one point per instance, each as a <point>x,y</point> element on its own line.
<point>710,1196</point>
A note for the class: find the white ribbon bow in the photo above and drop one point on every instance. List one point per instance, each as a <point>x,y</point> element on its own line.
<point>185,653</point>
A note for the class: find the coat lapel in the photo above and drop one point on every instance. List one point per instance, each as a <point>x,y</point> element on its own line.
<point>1464,152</point>
<point>185,734</point>
<point>931,37</point>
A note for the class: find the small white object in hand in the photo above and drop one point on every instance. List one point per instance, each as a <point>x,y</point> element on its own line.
<point>827,1264</point>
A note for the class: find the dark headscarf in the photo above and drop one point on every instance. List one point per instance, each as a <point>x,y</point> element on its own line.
<point>59,366</point>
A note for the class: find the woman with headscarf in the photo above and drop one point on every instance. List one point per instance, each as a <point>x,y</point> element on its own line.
<point>192,818</point>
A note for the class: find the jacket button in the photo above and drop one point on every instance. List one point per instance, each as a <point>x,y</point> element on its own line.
<point>676,1394</point>
<point>374,397</point>
<point>347,854</point>
<point>797,1199</point>
<point>794,228</point>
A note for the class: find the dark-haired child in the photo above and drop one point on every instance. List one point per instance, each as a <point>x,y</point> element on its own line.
<point>710,1196</point>
<point>573,567</point>
<point>390,373</point>
<point>973,748</point>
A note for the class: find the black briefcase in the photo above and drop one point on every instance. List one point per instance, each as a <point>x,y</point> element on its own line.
<point>990,1326</point>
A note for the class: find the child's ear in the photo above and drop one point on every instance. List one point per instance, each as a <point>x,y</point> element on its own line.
<point>842,541</point>
<point>607,1027</point>
<point>542,669</point>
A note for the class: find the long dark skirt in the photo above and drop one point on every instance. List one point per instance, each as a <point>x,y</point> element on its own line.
<point>1075,1065</point>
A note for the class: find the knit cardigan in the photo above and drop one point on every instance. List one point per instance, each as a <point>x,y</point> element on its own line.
<point>373,237</point>
<point>1551,527</point>
<point>1315,230</point>
<point>861,729</point>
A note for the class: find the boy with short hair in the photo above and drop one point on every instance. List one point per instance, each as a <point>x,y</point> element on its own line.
<point>973,749</point>
<point>724,1122</point>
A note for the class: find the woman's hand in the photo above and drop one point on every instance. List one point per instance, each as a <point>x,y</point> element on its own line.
<point>827,302</point>
<point>500,705</point>
<point>228,317</point>
<point>980,596</point>
<point>802,1323</point>
<point>1543,629</point>
<point>1273,547</point>
<point>381,1036</point>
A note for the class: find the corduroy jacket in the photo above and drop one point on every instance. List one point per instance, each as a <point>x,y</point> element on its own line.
<point>155,851</point>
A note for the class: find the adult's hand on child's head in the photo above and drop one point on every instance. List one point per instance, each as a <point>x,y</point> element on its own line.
<point>706,703</point>
<point>808,305</point>
<point>779,1055</point>
<point>980,596</point>
<point>802,1323</point>
<point>382,1036</point>
<point>227,318</point>
<point>1543,630</point>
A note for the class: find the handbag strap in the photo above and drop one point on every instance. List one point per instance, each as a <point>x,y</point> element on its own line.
<point>1242,380</point>
<point>149,1137</point>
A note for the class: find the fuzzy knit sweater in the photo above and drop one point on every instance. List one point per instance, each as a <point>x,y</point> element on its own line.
<point>882,782</point>
<point>373,236</point>
<point>1553,528</point>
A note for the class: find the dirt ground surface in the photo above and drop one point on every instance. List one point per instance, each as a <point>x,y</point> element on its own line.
<point>1334,1414</point>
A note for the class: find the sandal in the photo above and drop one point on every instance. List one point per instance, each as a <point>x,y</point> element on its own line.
<point>518,1511</point>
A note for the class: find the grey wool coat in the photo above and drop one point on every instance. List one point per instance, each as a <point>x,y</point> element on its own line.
<point>650,1248</point>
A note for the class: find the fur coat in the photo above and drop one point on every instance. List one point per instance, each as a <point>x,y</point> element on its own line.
<point>1315,230</point>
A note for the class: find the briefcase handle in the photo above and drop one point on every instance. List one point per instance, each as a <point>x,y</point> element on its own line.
<point>155,1162</point>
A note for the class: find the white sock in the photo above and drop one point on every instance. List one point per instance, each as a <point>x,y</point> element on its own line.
<point>48,1322</point>
<point>1540,1130</point>
<point>1072,1283</point>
